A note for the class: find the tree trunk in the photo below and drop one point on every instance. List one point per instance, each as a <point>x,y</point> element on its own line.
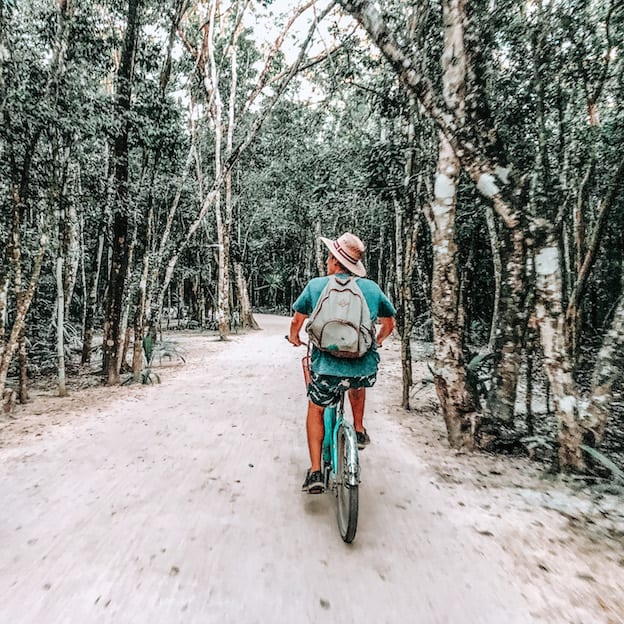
<point>71,255</point>
<point>573,316</point>
<point>319,255</point>
<point>113,330</point>
<point>456,401</point>
<point>139,314</point>
<point>60,323</point>
<point>497,267</point>
<point>608,370</point>
<point>550,321</point>
<point>406,236</point>
<point>247,318</point>
<point>22,394</point>
<point>511,325</point>
<point>23,305</point>
<point>91,304</point>
<point>127,302</point>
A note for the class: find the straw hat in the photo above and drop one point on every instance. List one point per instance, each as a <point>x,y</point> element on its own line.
<point>348,250</point>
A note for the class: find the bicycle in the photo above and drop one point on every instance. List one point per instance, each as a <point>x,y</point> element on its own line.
<point>339,462</point>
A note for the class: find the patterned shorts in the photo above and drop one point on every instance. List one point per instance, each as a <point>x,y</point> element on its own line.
<point>324,390</point>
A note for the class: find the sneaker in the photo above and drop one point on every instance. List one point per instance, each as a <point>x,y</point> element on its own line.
<point>314,483</point>
<point>363,439</point>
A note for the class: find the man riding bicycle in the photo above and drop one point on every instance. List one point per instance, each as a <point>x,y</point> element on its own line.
<point>330,374</point>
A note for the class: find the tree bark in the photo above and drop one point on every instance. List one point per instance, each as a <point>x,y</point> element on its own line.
<point>91,303</point>
<point>60,325</point>
<point>247,318</point>
<point>406,236</point>
<point>572,320</point>
<point>550,322</point>
<point>497,267</point>
<point>113,334</point>
<point>608,370</point>
<point>139,313</point>
<point>456,401</point>
<point>23,305</point>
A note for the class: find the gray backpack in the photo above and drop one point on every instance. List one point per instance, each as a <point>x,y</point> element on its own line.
<point>341,323</point>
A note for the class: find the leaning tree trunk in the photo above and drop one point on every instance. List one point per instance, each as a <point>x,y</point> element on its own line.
<point>573,316</point>
<point>23,305</point>
<point>113,335</point>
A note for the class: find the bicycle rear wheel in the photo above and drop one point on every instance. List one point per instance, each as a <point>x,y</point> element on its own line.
<point>347,495</point>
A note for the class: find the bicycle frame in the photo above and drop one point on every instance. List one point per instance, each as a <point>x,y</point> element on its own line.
<point>334,420</point>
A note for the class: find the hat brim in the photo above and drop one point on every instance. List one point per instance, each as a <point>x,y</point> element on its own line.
<point>357,269</point>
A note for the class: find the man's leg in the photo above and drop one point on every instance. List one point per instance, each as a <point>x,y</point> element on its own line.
<point>316,430</point>
<point>357,398</point>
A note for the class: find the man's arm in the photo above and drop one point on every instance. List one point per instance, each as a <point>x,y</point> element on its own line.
<point>387,325</point>
<point>295,327</point>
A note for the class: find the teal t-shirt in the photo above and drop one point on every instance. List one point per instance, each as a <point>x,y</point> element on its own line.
<point>326,364</point>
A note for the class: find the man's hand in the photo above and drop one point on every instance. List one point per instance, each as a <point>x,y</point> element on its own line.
<point>387,325</point>
<point>294,340</point>
<point>295,327</point>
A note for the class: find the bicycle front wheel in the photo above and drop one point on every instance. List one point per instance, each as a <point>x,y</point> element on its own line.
<point>347,496</point>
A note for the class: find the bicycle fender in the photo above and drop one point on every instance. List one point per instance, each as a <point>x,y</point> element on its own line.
<point>352,465</point>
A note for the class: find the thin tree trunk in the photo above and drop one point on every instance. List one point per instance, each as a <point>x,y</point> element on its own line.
<point>573,318</point>
<point>71,255</point>
<point>22,395</point>
<point>60,324</point>
<point>319,255</point>
<point>497,267</point>
<point>127,304</point>
<point>528,399</point>
<point>247,318</point>
<point>139,314</point>
<point>406,236</point>
<point>91,303</point>
<point>4,295</point>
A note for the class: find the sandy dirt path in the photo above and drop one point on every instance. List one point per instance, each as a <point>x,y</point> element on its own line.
<point>181,503</point>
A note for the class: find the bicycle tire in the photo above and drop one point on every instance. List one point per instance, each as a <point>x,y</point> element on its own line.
<point>347,496</point>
